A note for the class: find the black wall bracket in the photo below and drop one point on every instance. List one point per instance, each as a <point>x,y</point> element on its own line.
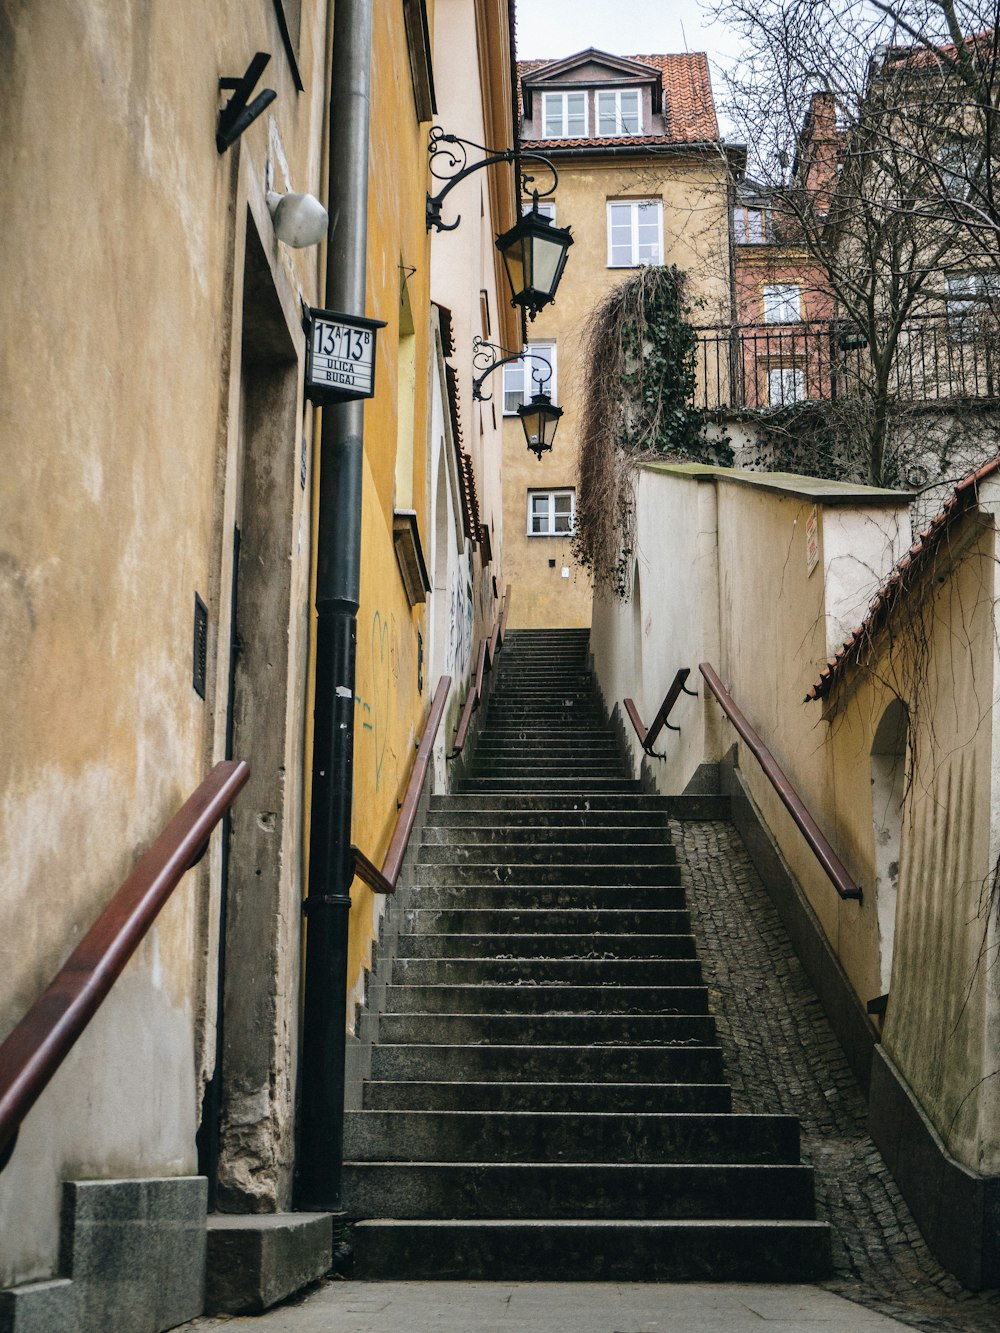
<point>239,113</point>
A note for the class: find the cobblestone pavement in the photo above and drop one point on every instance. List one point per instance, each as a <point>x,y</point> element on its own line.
<point>782,1056</point>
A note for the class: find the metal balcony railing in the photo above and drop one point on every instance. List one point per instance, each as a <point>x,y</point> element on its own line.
<point>939,358</point>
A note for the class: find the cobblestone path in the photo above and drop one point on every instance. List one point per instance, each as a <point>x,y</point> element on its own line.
<point>782,1056</point>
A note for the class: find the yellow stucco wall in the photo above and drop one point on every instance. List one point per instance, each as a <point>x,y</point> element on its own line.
<point>695,238</point>
<point>122,278</point>
<point>940,661</point>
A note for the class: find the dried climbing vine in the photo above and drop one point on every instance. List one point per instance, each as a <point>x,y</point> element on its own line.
<point>639,359</point>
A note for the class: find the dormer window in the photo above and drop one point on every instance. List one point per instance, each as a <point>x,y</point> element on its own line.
<point>564,115</point>
<point>618,113</point>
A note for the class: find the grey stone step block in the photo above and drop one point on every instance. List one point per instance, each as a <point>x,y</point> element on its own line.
<point>574,802</point>
<point>568,1064</point>
<point>562,1098</point>
<point>597,802</point>
<point>582,1251</point>
<point>554,786</point>
<point>536,821</point>
<point>619,852</point>
<point>608,835</point>
<point>547,896</point>
<point>541,921</point>
<point>257,1260</point>
<point>537,874</point>
<point>476,998</point>
<point>547,971</point>
<point>510,945</point>
<point>590,1137</point>
<point>573,1190</point>
<point>572,766</point>
<point>560,1029</point>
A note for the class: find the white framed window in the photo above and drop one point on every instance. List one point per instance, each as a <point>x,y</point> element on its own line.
<point>782,303</point>
<point>551,513</point>
<point>635,232</point>
<point>956,167</point>
<point>618,112</point>
<point>547,207</point>
<point>972,299</point>
<point>785,384</point>
<point>749,226</point>
<point>518,383</point>
<point>564,115</point>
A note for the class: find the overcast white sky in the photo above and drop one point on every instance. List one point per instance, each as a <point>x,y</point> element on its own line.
<point>553,28</point>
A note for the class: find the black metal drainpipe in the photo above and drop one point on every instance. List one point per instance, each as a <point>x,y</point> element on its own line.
<point>321,1080</point>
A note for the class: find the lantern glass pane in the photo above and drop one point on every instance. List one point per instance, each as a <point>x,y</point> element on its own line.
<point>513,258</point>
<point>546,259</point>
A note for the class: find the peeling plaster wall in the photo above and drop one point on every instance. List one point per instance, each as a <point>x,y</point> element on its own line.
<point>724,555</point>
<point>776,624</point>
<point>118,362</point>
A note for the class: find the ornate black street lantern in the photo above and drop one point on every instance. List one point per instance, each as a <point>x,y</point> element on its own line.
<point>540,416</point>
<point>534,249</point>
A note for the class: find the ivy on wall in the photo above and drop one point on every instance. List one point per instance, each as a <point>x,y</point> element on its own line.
<point>639,368</point>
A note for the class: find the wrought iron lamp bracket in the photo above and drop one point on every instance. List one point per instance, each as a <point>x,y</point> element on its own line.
<point>449,162</point>
<point>487,357</point>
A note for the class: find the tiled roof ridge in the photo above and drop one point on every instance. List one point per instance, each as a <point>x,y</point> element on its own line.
<point>963,497</point>
<point>689,106</point>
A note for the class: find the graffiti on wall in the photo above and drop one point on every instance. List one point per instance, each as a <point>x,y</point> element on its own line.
<point>461,615</point>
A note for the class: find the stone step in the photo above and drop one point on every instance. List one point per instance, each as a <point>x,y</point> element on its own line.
<point>616,802</point>
<point>565,786</point>
<point>535,874</point>
<point>598,836</point>
<point>560,945</point>
<point>476,998</point>
<point>526,766</point>
<point>569,1189</point>
<point>626,1250</point>
<point>561,1029</point>
<point>566,1064</point>
<point>542,921</point>
<point>509,803</point>
<point>537,821</point>
<point>415,1095</point>
<point>549,897</point>
<point>547,971</point>
<point>542,1136</point>
<point>622,852</point>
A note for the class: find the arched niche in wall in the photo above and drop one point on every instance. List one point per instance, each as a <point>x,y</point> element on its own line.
<point>888,759</point>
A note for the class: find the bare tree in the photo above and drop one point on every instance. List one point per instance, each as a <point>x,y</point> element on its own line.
<point>872,125</point>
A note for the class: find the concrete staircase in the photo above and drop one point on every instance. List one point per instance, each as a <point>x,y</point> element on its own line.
<point>548,1099</point>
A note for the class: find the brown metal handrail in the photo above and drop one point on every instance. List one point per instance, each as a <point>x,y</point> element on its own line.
<point>43,1038</point>
<point>833,866</point>
<point>485,656</point>
<point>384,880</point>
<point>472,698</point>
<point>647,737</point>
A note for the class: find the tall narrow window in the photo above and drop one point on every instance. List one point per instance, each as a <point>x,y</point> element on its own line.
<point>618,113</point>
<point>748,226</point>
<point>635,232</point>
<point>782,303</point>
<point>518,384</point>
<point>564,115</point>
<point>785,384</point>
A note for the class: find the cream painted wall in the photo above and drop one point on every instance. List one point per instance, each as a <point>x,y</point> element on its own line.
<point>775,623</point>
<point>463,266</point>
<point>695,238</point>
<point>117,375</point>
